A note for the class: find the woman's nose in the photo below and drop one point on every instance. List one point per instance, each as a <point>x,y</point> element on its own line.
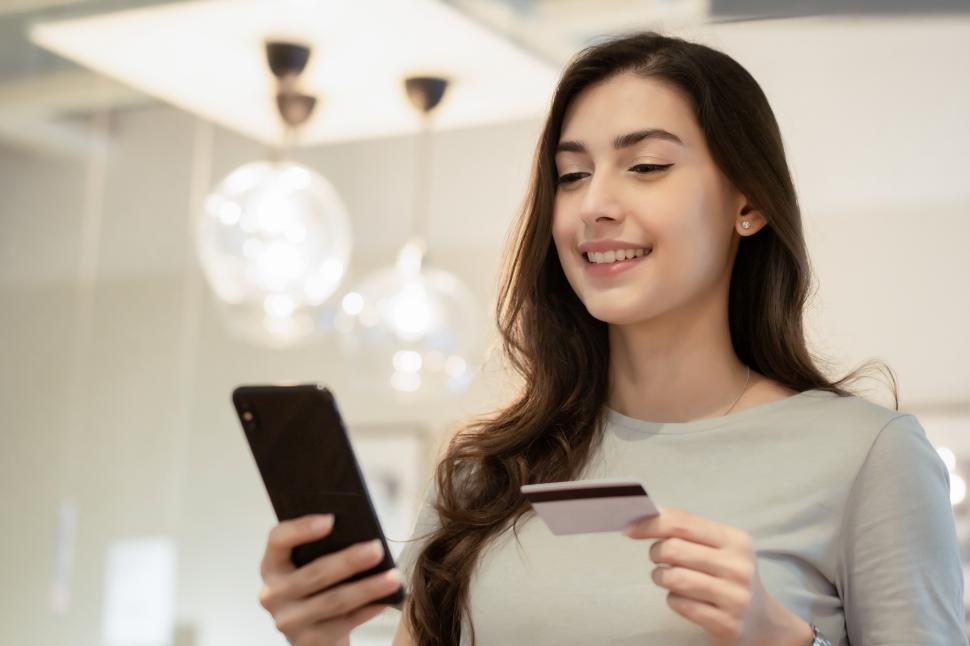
<point>601,201</point>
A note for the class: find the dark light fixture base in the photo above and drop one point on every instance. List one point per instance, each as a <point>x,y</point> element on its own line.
<point>425,92</point>
<point>286,58</point>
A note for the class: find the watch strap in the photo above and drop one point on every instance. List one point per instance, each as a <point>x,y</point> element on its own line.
<point>819,639</point>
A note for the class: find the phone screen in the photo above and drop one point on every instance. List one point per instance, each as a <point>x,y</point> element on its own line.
<point>307,464</point>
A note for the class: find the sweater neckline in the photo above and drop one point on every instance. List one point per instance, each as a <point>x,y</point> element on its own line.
<point>616,418</point>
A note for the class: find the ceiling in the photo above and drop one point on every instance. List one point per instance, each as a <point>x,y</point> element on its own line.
<point>557,28</point>
<point>208,59</point>
<point>40,91</point>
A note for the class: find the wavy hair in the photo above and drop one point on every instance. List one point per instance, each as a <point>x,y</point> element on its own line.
<point>550,428</point>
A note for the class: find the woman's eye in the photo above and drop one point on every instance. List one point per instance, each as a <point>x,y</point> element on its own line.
<point>569,178</point>
<point>643,169</point>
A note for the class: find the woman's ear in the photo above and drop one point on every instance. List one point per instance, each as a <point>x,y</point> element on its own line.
<point>749,221</point>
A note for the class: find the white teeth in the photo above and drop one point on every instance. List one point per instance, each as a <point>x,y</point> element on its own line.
<point>597,257</point>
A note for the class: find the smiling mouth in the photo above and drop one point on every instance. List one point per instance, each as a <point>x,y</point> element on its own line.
<point>614,257</point>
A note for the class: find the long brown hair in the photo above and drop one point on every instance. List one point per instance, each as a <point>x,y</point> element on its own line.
<point>550,428</point>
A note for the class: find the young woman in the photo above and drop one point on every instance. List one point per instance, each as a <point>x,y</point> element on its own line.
<point>653,306</point>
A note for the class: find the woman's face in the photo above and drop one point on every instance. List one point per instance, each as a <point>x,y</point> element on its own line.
<point>660,196</point>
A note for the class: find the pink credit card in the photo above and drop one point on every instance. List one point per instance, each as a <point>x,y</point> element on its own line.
<point>587,506</point>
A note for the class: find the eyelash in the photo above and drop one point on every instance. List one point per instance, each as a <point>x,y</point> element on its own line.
<point>653,168</point>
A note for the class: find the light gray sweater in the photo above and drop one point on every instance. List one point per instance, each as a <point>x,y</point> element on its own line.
<point>846,501</point>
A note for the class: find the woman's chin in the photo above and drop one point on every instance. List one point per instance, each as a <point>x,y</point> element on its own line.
<point>617,314</point>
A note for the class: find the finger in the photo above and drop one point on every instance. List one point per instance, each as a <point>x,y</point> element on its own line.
<point>287,535</point>
<point>337,601</point>
<point>329,570</point>
<point>677,522</point>
<point>319,574</point>
<point>714,621</point>
<point>720,563</point>
<point>362,615</point>
<point>333,629</point>
<point>724,595</point>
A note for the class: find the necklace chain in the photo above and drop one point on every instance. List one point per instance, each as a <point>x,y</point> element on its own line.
<point>748,378</point>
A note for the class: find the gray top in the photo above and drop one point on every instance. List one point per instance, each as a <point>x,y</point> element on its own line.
<point>846,501</point>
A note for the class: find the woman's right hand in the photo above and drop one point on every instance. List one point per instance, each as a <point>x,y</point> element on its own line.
<point>307,605</point>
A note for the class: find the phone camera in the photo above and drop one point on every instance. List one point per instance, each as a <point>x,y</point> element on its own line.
<point>248,418</point>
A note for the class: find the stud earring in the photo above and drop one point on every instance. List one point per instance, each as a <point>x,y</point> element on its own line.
<point>745,224</point>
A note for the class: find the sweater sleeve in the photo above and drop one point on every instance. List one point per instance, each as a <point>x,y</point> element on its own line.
<point>899,574</point>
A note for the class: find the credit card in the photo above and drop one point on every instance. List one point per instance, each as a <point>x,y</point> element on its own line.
<point>590,506</point>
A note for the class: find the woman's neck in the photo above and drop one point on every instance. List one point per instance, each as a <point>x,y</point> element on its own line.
<point>676,368</point>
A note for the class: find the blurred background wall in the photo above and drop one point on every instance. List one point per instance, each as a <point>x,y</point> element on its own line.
<point>117,363</point>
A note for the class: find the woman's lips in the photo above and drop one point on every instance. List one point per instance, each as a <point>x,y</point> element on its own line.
<point>608,269</point>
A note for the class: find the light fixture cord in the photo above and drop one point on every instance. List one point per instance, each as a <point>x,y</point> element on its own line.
<point>282,151</point>
<point>420,217</point>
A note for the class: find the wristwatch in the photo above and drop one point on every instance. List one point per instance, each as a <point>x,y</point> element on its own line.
<point>819,639</point>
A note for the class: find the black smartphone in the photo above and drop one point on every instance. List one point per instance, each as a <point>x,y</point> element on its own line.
<point>308,466</point>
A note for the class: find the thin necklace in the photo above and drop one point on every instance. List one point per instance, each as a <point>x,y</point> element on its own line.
<point>742,391</point>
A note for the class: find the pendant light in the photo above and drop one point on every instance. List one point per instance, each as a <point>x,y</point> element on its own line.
<point>274,237</point>
<point>413,327</point>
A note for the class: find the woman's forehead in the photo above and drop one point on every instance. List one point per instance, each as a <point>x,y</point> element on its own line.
<point>627,103</point>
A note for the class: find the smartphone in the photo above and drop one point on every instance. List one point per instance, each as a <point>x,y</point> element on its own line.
<point>308,466</point>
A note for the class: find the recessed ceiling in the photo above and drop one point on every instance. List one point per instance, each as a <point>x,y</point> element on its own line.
<point>207,57</point>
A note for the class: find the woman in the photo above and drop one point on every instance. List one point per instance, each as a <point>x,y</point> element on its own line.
<point>653,305</point>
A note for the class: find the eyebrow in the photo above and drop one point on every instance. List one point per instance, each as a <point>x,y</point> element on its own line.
<point>623,141</point>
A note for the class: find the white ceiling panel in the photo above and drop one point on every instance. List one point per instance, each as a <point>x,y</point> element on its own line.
<point>207,57</point>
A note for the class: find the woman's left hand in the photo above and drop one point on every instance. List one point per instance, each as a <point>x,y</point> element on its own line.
<point>711,572</point>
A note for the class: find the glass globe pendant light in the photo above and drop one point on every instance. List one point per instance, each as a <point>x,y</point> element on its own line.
<point>412,327</point>
<point>274,238</point>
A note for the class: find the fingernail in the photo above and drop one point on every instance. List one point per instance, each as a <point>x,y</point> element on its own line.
<point>322,523</point>
<point>393,575</point>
